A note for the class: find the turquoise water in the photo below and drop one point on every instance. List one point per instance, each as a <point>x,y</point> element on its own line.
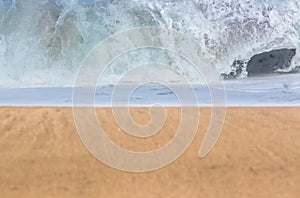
<point>42,43</point>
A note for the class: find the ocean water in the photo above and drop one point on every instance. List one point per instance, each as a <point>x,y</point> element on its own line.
<point>43,43</point>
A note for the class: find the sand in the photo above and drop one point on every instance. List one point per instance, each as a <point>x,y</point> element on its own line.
<point>257,155</point>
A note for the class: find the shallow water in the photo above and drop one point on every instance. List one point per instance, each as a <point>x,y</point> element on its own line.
<point>274,90</point>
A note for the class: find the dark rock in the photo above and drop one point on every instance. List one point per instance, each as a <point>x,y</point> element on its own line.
<point>269,62</point>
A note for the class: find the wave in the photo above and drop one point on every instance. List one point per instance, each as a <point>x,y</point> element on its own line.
<point>43,42</point>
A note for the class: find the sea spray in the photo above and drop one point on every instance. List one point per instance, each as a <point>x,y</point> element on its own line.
<point>42,43</point>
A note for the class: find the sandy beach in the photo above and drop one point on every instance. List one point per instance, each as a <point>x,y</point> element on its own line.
<point>257,155</point>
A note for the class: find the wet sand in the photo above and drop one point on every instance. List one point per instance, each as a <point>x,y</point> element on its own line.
<point>257,155</point>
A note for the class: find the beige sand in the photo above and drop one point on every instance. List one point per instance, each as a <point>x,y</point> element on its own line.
<point>257,155</point>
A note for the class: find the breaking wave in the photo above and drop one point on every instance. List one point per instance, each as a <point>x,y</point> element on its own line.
<point>42,43</point>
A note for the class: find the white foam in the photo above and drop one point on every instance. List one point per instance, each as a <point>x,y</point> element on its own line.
<point>44,42</point>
